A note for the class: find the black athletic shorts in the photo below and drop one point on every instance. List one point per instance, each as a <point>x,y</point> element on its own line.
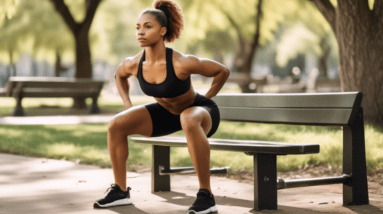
<point>165,123</point>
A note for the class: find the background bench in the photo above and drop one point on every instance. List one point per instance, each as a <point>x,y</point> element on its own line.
<point>327,109</point>
<point>20,87</point>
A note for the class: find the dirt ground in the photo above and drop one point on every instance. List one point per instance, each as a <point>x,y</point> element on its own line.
<point>375,177</point>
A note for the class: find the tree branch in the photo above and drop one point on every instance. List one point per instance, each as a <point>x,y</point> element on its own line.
<point>328,11</point>
<point>63,10</point>
<point>236,26</point>
<point>91,8</point>
<point>257,34</point>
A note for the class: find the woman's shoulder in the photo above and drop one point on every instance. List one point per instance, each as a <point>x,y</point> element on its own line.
<point>184,61</point>
<point>130,64</point>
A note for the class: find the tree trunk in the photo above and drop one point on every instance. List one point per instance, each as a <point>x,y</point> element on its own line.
<point>80,32</point>
<point>243,61</point>
<point>361,55</point>
<point>83,58</point>
<point>58,67</point>
<point>359,33</point>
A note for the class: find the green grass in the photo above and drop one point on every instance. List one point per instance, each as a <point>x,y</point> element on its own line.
<point>87,142</point>
<point>62,106</point>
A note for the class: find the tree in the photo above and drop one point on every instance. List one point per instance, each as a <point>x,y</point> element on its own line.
<point>358,27</point>
<point>80,31</point>
<point>51,37</point>
<point>35,29</point>
<point>251,23</point>
<point>12,33</point>
<point>81,34</point>
<point>115,27</point>
<point>310,34</point>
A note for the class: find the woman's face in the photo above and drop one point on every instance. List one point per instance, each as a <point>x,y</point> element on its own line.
<point>149,31</point>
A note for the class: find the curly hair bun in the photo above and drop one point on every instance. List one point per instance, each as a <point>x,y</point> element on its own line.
<point>174,18</point>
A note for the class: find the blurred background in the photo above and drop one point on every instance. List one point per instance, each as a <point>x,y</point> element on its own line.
<point>294,44</point>
<point>273,46</point>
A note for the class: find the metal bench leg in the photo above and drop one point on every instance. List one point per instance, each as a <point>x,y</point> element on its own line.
<point>265,182</point>
<point>354,163</point>
<point>18,111</point>
<point>161,159</point>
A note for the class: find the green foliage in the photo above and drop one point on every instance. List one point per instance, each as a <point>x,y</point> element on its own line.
<point>115,27</point>
<point>50,34</point>
<point>307,32</point>
<point>7,9</point>
<point>297,40</point>
<point>77,9</point>
<point>39,30</point>
<point>13,36</point>
<point>35,29</point>
<point>211,27</point>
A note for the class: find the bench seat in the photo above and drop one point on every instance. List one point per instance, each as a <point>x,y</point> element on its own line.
<point>248,146</point>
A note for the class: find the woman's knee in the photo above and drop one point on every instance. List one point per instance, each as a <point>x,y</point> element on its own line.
<point>115,125</point>
<point>195,118</point>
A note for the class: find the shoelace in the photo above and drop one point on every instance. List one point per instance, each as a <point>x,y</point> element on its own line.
<point>111,188</point>
<point>115,187</point>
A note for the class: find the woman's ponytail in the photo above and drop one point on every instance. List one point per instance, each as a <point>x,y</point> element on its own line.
<point>171,17</point>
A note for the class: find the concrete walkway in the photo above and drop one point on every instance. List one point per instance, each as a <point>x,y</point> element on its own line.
<point>39,185</point>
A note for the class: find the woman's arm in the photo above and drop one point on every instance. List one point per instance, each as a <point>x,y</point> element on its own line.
<point>121,75</point>
<point>208,68</point>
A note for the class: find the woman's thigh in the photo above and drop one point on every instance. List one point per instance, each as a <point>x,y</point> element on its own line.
<point>135,120</point>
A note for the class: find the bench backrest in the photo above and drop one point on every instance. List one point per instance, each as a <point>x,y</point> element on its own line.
<point>43,86</point>
<point>297,108</point>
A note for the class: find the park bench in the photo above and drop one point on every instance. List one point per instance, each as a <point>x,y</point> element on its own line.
<point>20,87</point>
<point>322,109</point>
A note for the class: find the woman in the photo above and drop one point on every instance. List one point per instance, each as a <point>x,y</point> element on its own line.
<point>165,74</point>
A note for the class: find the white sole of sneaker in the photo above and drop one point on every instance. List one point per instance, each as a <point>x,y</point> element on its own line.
<point>125,201</point>
<point>212,209</point>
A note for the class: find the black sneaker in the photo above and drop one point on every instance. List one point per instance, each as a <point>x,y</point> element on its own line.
<point>205,203</point>
<point>115,197</point>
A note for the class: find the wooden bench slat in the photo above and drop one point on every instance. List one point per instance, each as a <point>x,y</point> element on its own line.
<point>235,145</point>
<point>308,116</point>
<point>291,100</point>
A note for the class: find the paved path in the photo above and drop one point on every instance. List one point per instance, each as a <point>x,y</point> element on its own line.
<point>39,185</point>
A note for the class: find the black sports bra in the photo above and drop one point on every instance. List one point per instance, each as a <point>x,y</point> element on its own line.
<point>171,87</point>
